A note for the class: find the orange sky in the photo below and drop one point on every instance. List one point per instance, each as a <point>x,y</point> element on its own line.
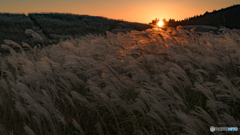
<point>129,10</point>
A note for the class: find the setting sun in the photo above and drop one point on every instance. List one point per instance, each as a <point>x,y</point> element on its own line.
<point>160,23</point>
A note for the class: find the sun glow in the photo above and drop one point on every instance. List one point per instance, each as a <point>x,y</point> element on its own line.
<point>160,23</point>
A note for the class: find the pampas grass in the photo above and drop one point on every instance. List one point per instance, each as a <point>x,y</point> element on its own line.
<point>139,82</point>
<point>33,34</point>
<point>29,130</point>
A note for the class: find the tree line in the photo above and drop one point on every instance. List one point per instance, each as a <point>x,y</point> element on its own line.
<point>228,17</point>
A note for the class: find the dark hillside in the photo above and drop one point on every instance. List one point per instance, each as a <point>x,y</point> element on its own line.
<point>56,26</point>
<point>228,17</point>
<point>12,26</point>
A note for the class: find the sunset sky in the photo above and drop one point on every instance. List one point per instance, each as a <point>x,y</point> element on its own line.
<point>129,10</point>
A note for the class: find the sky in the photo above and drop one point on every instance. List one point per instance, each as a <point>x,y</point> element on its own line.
<point>143,11</point>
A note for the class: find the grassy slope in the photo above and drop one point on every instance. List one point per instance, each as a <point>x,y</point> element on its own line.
<point>150,82</point>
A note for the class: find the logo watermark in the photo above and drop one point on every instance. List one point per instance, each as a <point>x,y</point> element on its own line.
<point>212,128</point>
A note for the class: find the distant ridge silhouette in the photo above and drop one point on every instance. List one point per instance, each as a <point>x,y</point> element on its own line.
<point>228,17</point>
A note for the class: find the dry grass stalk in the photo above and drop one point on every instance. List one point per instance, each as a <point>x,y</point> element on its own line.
<point>143,79</point>
<point>28,130</point>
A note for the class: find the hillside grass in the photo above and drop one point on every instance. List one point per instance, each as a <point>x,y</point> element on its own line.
<point>12,27</point>
<point>139,82</point>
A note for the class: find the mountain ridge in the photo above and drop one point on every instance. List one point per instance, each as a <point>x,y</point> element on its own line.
<point>228,17</point>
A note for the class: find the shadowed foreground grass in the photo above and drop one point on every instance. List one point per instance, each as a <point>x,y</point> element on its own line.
<point>149,82</point>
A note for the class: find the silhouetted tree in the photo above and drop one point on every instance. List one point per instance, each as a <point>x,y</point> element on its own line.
<point>171,22</point>
<point>206,13</point>
<point>164,21</point>
<point>154,22</point>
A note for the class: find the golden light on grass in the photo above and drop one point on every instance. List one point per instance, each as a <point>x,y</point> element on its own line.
<point>126,59</point>
<point>160,23</point>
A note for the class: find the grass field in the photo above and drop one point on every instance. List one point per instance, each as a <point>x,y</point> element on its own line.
<point>140,82</point>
